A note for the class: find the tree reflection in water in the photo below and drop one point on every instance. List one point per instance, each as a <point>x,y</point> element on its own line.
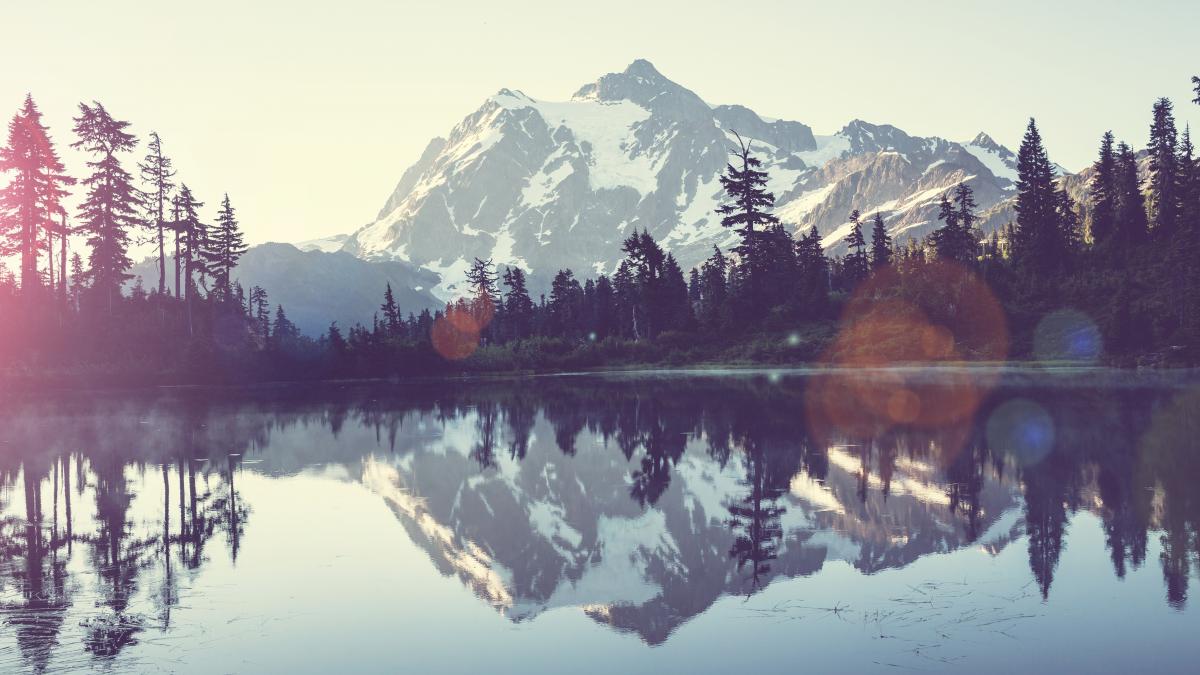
<point>702,486</point>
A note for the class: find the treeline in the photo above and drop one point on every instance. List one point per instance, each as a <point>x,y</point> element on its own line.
<point>1124,261</point>
<point>75,312</point>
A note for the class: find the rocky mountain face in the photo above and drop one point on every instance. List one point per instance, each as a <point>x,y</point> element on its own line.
<point>551,185</point>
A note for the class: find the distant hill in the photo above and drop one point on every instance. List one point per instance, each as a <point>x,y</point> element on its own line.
<point>317,287</point>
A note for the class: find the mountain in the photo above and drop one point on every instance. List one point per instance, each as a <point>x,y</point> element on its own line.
<point>550,530</point>
<point>550,185</point>
<point>316,287</point>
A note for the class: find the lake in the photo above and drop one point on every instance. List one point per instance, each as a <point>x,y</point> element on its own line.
<point>933,520</point>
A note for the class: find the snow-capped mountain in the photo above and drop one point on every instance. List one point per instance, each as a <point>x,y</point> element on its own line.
<point>551,530</point>
<point>551,185</point>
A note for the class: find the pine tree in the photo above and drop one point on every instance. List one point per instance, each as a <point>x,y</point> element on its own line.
<point>566,304</point>
<point>284,333</point>
<point>31,202</point>
<point>260,308</point>
<point>1189,181</point>
<point>518,306</point>
<point>713,289</point>
<point>881,244</point>
<point>748,215</point>
<point>1131,222</point>
<point>391,313</point>
<point>110,210</point>
<point>156,174</point>
<point>223,247</point>
<point>1104,192</point>
<point>192,238</point>
<point>1164,170</point>
<point>856,264</point>
<point>813,283</point>
<point>605,311</point>
<point>672,305</point>
<point>1038,242</point>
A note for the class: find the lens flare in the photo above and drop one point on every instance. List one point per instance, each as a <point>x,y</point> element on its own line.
<point>455,335</point>
<point>1022,429</point>
<point>940,314</point>
<point>1067,335</point>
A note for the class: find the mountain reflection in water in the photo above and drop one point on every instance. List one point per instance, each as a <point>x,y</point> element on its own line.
<point>640,500</point>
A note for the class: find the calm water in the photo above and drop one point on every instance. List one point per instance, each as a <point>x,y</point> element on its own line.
<point>660,523</point>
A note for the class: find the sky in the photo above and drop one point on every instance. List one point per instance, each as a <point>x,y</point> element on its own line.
<point>307,113</point>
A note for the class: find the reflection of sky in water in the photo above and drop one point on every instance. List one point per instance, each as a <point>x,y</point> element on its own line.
<point>355,555</point>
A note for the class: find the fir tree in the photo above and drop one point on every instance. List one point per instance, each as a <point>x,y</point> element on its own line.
<point>881,244</point>
<point>156,174</point>
<point>391,313</point>
<point>110,210</point>
<point>1164,170</point>
<point>1038,242</point>
<point>260,309</point>
<point>748,215</point>
<point>1131,223</point>
<point>223,247</point>
<point>566,304</point>
<point>1104,192</point>
<point>30,204</point>
<point>856,262</point>
<point>518,306</point>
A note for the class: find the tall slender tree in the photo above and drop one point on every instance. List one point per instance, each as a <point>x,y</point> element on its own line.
<point>748,214</point>
<point>223,248</point>
<point>156,172</point>
<point>31,202</point>
<point>881,244</point>
<point>110,210</point>
<point>1104,192</point>
<point>856,261</point>
<point>1164,169</point>
<point>1038,241</point>
<point>1131,222</point>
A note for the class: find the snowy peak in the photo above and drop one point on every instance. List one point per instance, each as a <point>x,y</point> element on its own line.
<point>998,159</point>
<point>551,185</point>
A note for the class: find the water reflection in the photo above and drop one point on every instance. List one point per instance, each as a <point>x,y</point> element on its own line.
<point>640,500</point>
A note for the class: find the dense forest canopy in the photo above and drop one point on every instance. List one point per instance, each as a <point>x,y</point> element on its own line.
<point>1114,277</point>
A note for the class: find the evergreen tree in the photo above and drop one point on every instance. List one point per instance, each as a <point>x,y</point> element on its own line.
<point>110,210</point>
<point>482,279</point>
<point>813,275</point>
<point>1038,242</point>
<point>223,247</point>
<point>605,309</point>
<point>713,289</point>
<point>1104,192</point>
<point>566,305</point>
<point>391,313</point>
<point>671,301</point>
<point>1189,181</point>
<point>518,306</point>
<point>284,333</point>
<point>856,264</point>
<point>192,238</point>
<point>1164,170</point>
<point>747,213</point>
<point>156,174</point>
<point>881,244</point>
<point>485,294</point>
<point>1131,223</point>
<point>30,204</point>
<point>260,308</point>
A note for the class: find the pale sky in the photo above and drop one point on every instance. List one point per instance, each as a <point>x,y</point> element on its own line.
<point>307,113</point>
